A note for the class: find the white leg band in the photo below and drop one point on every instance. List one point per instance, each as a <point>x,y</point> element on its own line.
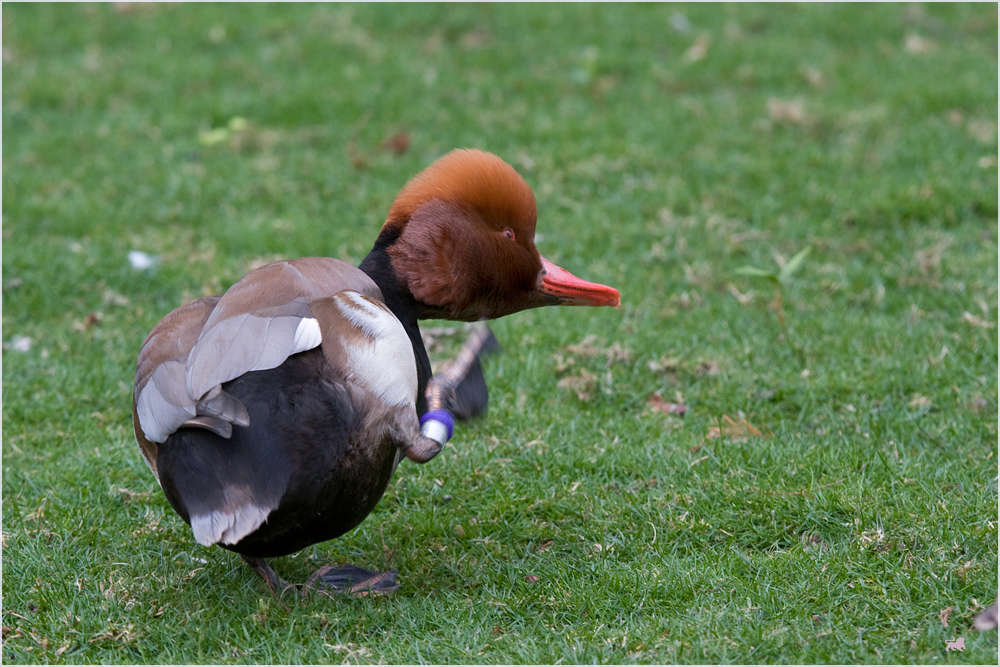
<point>435,430</point>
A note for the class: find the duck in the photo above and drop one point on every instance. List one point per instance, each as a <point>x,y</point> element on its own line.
<point>274,415</point>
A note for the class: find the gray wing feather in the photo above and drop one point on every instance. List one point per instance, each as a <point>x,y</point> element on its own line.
<point>163,405</point>
<point>224,406</point>
<point>263,343</point>
<point>207,343</point>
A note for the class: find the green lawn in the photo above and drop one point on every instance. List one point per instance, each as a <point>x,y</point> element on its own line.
<point>670,147</point>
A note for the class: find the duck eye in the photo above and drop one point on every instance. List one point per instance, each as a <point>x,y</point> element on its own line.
<point>509,233</point>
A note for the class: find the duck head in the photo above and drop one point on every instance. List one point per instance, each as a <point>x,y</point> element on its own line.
<point>462,242</point>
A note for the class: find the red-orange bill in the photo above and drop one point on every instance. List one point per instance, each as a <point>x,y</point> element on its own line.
<point>573,291</point>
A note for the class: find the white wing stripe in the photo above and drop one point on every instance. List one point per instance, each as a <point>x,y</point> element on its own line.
<point>307,335</point>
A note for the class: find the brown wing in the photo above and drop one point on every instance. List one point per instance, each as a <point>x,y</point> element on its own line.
<point>257,324</point>
<point>159,374</point>
<point>264,312</point>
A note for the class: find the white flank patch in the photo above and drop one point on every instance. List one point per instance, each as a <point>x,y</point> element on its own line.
<point>228,527</point>
<point>307,336</point>
<point>386,365</point>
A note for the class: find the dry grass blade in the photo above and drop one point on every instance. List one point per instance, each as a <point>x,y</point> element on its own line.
<point>734,429</point>
<point>657,403</point>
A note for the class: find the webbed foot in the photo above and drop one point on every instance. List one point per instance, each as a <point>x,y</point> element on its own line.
<point>351,580</point>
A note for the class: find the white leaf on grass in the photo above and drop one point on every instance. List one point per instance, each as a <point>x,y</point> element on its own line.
<point>140,260</point>
<point>21,343</point>
<point>698,50</point>
<point>679,22</point>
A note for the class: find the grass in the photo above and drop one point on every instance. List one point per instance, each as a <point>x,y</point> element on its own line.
<point>847,512</point>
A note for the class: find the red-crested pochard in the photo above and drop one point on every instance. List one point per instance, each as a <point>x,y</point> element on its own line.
<point>274,415</point>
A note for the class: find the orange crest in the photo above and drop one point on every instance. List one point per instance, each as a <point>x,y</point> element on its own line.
<point>478,182</point>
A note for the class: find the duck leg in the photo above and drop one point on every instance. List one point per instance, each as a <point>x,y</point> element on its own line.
<point>443,394</point>
<point>274,583</point>
<point>461,388</point>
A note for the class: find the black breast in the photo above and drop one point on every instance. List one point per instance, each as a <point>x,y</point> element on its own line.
<point>304,453</point>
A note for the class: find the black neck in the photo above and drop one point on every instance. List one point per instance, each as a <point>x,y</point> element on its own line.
<point>402,303</point>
